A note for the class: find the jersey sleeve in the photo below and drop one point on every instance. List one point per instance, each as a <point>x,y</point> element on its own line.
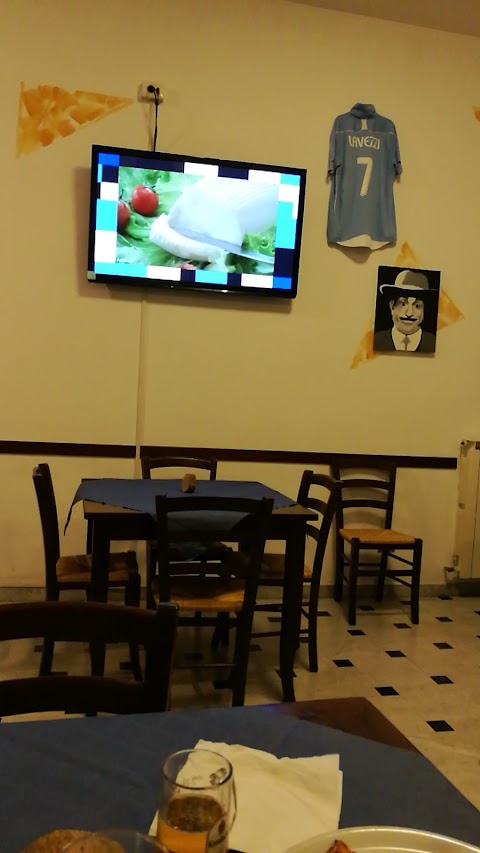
<point>331,150</point>
<point>397,163</point>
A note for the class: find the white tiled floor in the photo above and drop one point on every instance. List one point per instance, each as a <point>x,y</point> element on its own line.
<point>413,700</point>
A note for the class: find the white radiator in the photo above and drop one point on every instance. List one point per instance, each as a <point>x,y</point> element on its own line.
<point>466,557</point>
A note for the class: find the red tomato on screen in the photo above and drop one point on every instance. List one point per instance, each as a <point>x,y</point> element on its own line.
<point>144,200</point>
<point>123,215</point>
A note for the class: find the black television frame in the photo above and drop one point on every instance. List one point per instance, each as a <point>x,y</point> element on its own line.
<point>187,281</point>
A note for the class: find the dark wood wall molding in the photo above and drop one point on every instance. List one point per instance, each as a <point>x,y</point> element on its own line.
<point>295,457</point>
<point>58,448</point>
<point>279,457</point>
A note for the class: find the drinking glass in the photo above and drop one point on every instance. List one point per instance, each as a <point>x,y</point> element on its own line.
<point>197,804</point>
<point>114,841</point>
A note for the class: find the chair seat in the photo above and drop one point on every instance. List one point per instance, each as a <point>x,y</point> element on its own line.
<point>372,536</point>
<point>273,566</point>
<point>204,594</point>
<point>77,568</point>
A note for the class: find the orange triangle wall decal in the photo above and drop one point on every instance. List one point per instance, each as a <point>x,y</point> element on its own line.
<point>47,113</point>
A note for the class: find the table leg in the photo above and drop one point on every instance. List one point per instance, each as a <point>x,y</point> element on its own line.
<point>100,556</point>
<point>291,605</point>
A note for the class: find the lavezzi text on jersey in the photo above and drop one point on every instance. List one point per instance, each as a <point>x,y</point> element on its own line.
<point>364,141</point>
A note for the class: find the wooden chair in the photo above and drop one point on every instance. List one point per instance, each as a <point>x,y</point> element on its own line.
<point>366,488</point>
<point>273,565</point>
<point>74,571</point>
<point>234,589</point>
<point>150,464</point>
<point>211,550</point>
<point>91,622</point>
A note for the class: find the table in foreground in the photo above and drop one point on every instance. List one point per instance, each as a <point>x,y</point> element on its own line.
<point>98,772</point>
<point>354,715</point>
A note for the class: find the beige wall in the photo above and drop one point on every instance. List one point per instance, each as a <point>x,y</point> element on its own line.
<point>264,81</point>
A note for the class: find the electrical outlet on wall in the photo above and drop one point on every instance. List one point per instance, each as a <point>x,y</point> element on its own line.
<point>147,96</point>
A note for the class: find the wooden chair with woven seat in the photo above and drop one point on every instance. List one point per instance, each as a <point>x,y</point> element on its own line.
<point>234,590</point>
<point>92,622</point>
<point>210,550</point>
<point>74,571</point>
<point>369,490</point>
<point>321,493</point>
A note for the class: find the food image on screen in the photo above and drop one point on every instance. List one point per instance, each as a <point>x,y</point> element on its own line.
<point>208,223</point>
<point>170,221</point>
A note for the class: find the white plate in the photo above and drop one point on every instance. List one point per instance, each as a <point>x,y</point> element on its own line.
<point>385,839</point>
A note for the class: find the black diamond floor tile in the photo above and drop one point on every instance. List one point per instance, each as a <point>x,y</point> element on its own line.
<point>441,679</point>
<point>443,645</point>
<point>395,653</point>
<point>401,625</point>
<point>323,613</point>
<point>443,619</point>
<point>343,662</point>
<point>386,691</point>
<point>356,632</point>
<point>303,640</point>
<point>38,647</point>
<point>477,612</point>
<point>254,647</point>
<point>366,608</point>
<point>445,598</point>
<point>440,726</point>
<point>274,618</point>
<point>405,601</point>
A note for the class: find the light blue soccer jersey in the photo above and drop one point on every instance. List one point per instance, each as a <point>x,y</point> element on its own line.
<point>364,159</point>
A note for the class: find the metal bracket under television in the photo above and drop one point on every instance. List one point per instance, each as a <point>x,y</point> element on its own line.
<point>193,223</point>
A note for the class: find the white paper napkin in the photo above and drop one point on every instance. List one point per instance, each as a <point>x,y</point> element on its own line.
<point>280,801</point>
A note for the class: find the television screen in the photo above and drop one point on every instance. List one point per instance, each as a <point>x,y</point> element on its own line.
<point>196,223</point>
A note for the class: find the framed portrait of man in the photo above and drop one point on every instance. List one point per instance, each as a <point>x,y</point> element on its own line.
<point>406,310</point>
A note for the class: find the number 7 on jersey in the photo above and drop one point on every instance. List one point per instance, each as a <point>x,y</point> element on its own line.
<point>368,163</point>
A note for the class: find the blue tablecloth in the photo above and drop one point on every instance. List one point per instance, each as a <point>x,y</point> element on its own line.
<point>140,494</point>
<point>98,772</point>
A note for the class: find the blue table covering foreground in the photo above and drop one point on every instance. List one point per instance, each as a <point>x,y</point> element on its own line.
<point>98,772</point>
<point>140,494</point>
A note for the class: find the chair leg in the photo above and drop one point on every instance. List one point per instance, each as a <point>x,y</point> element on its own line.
<point>132,598</point>
<point>381,576</point>
<point>415,597</point>
<point>240,659</point>
<point>135,661</point>
<point>221,632</point>
<point>339,569</point>
<point>97,649</point>
<point>352,583</point>
<point>150,574</point>
<point>47,657</point>
<point>133,590</point>
<point>312,625</point>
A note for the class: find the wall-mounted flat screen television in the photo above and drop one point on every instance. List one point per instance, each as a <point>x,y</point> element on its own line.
<point>197,223</point>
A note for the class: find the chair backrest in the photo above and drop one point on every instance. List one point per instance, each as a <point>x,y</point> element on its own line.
<point>149,464</point>
<point>42,480</point>
<point>203,519</point>
<point>365,486</point>
<point>90,622</point>
<point>325,506</point>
